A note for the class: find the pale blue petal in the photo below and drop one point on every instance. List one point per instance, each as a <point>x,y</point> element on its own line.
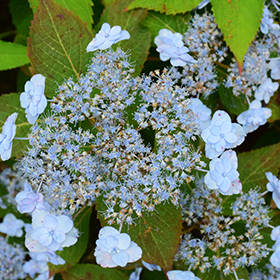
<point>50,222</point>
<point>123,241</point>
<point>120,258</point>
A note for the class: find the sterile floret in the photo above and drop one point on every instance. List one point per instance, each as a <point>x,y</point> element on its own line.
<point>254,117</point>
<point>221,134</point>
<point>106,37</point>
<point>7,136</point>
<point>12,226</point>
<point>223,174</point>
<point>266,90</point>
<point>115,248</point>
<point>170,46</point>
<point>33,98</point>
<point>273,186</point>
<point>181,275</point>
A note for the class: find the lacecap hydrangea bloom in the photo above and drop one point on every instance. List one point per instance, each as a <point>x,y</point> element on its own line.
<point>170,46</point>
<point>33,98</point>
<point>221,134</point>
<point>223,174</point>
<point>106,37</point>
<point>115,248</point>
<point>7,136</point>
<point>254,117</point>
<point>50,232</point>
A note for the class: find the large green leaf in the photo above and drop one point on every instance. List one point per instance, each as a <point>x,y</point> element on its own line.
<point>10,104</point>
<point>82,8</point>
<point>239,21</point>
<point>157,233</point>
<point>253,165</point>
<point>140,38</point>
<point>92,272</point>
<point>156,21</point>
<point>165,6</point>
<point>57,44</point>
<point>12,55</point>
<point>72,254</point>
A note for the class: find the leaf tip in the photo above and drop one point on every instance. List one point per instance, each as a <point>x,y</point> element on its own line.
<point>240,66</point>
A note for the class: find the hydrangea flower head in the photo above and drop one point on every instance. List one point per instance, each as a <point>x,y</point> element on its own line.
<point>181,275</point>
<point>115,248</point>
<point>7,136</point>
<point>273,186</point>
<point>221,134</point>
<point>33,267</point>
<point>170,46</point>
<point>33,98</point>
<point>12,226</point>
<point>254,117</point>
<point>223,174</point>
<point>266,90</point>
<point>50,232</point>
<point>106,37</point>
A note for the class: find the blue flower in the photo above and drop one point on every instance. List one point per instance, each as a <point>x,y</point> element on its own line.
<point>12,226</point>
<point>33,99</point>
<point>106,37</point>
<point>28,201</point>
<point>221,134</point>
<point>254,117</point>
<point>115,248</point>
<point>223,174</point>
<point>274,65</point>
<point>50,232</point>
<point>181,275</point>
<point>170,46</point>
<point>7,136</point>
<point>273,186</point>
<point>266,90</point>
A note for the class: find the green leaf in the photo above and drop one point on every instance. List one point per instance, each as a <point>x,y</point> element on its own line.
<point>140,38</point>
<point>239,21</point>
<point>12,55</point>
<point>274,105</point>
<point>10,104</point>
<point>72,254</point>
<point>92,272</point>
<point>21,15</point>
<point>213,273</point>
<point>156,21</point>
<point>165,6</point>
<point>234,104</point>
<point>82,8</point>
<point>253,165</point>
<point>57,45</point>
<point>157,233</point>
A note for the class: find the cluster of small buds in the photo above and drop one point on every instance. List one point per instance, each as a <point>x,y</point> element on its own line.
<point>13,182</point>
<point>254,72</point>
<point>12,259</point>
<point>202,210</point>
<point>205,42</point>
